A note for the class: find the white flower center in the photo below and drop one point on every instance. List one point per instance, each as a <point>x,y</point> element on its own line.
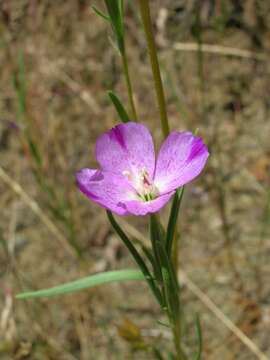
<point>142,183</point>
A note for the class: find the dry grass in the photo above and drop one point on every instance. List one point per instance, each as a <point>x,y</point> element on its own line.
<point>224,245</point>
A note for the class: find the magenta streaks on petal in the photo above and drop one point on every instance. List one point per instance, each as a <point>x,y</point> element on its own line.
<point>197,148</point>
<point>129,182</point>
<point>84,177</point>
<point>181,158</point>
<point>127,147</point>
<point>107,189</point>
<point>117,135</point>
<point>97,176</point>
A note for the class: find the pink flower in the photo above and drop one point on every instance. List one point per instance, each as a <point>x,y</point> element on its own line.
<point>130,180</point>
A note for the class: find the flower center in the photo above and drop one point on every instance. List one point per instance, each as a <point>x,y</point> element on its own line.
<point>142,183</point>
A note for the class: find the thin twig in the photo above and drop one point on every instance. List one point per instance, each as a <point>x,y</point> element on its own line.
<point>220,50</point>
<point>33,205</point>
<point>211,306</point>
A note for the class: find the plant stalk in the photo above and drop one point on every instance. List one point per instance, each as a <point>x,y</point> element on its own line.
<point>146,19</point>
<point>180,355</point>
<point>147,25</point>
<point>129,87</point>
<point>148,29</point>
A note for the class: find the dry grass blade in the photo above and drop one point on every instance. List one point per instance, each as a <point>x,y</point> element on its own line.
<point>220,50</point>
<point>134,232</point>
<point>52,342</point>
<point>223,318</point>
<point>33,205</point>
<point>50,69</point>
<point>211,306</point>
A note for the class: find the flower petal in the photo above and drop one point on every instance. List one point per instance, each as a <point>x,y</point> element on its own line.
<point>106,189</point>
<point>140,208</point>
<point>181,158</point>
<point>126,147</point>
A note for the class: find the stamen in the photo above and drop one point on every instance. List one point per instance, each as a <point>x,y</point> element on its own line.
<point>145,177</point>
<point>143,185</point>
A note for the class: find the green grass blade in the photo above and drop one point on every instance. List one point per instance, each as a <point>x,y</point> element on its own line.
<point>33,147</point>
<point>266,218</point>
<point>119,107</point>
<point>21,84</point>
<point>85,283</point>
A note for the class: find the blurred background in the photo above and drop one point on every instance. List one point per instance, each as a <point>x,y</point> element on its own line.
<point>57,60</point>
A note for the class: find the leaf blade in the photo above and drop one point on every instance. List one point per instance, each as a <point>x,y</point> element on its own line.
<point>119,107</point>
<point>200,339</point>
<point>136,256</point>
<point>115,13</point>
<point>173,219</point>
<point>101,14</point>
<point>85,283</point>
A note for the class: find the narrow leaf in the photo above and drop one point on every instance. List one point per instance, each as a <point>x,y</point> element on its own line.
<point>200,340</point>
<point>266,218</point>
<point>85,283</point>
<point>101,14</point>
<point>157,354</point>
<point>119,107</point>
<point>137,257</point>
<point>121,7</point>
<point>173,219</point>
<point>19,83</point>
<point>168,293</point>
<point>164,324</point>
<point>169,281</point>
<point>156,235</point>
<point>116,17</point>
<point>34,151</point>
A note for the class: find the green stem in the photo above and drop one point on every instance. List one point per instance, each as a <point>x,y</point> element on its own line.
<point>129,87</point>
<point>180,355</point>
<point>200,56</point>
<point>169,285</point>
<point>146,19</point>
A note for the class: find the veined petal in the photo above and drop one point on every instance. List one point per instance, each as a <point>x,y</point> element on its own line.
<point>126,148</point>
<point>181,158</point>
<point>140,208</point>
<point>106,189</point>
